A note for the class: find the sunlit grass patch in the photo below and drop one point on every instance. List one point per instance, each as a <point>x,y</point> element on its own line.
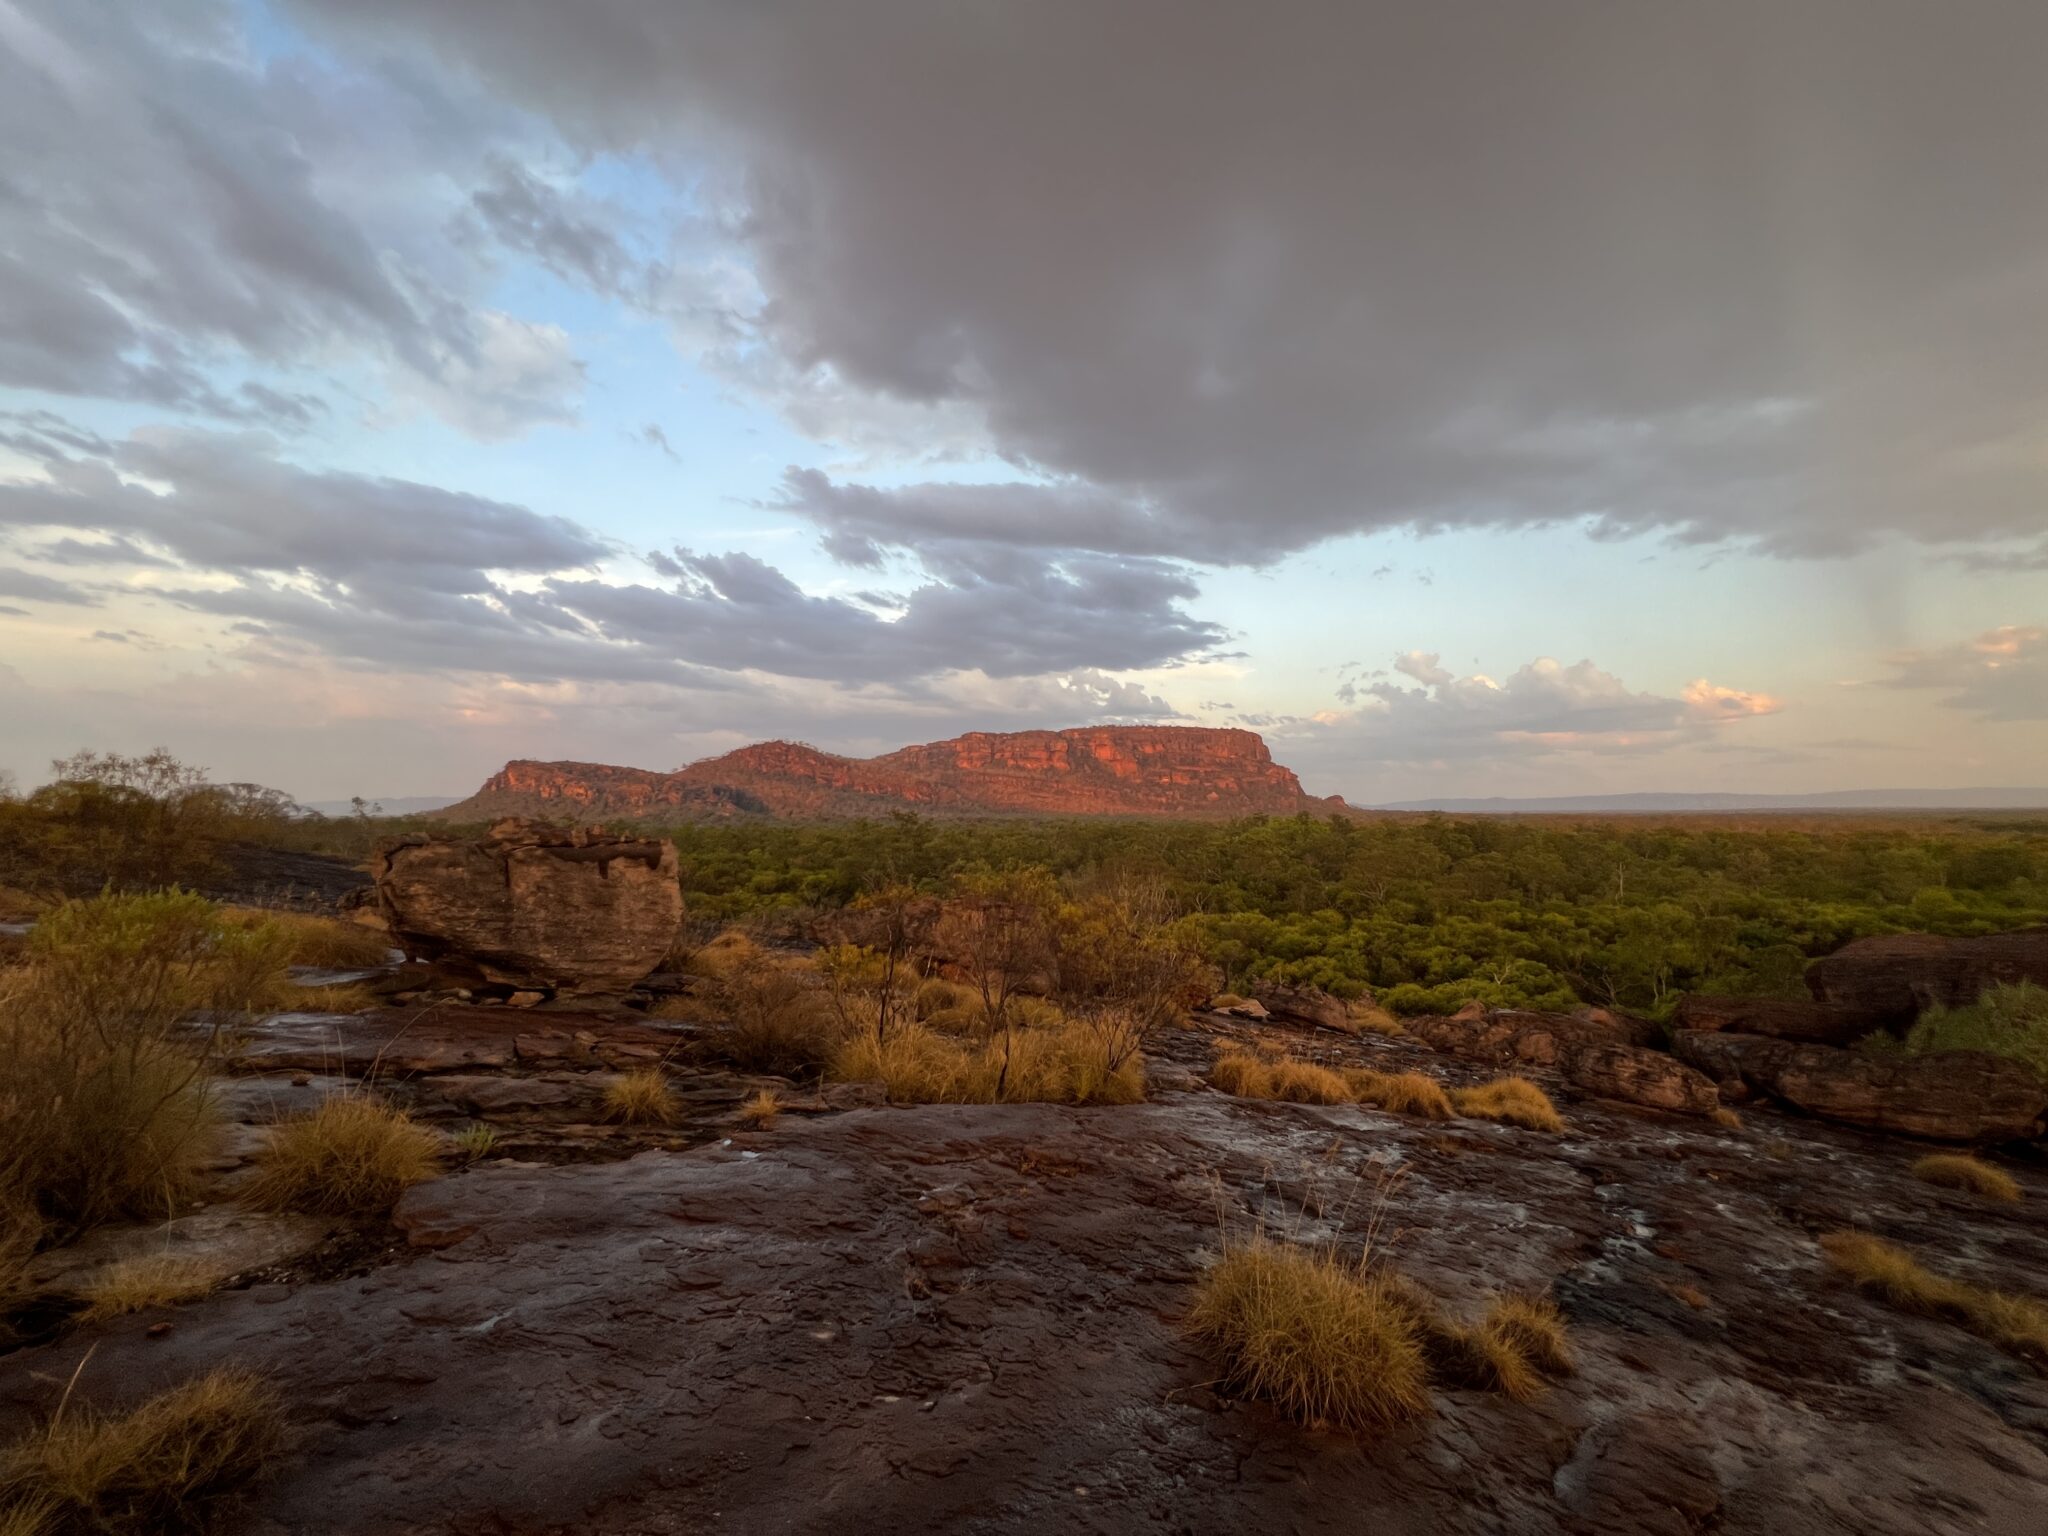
<point>353,1156</point>
<point>1324,1340</point>
<point>1070,1061</point>
<point>165,1466</point>
<point>141,1284</point>
<point>1957,1170</point>
<point>1248,1076</point>
<point>1889,1272</point>
<point>641,1097</point>
<point>326,942</point>
<point>1400,1093</point>
<point>760,1111</point>
<point>1511,1100</point>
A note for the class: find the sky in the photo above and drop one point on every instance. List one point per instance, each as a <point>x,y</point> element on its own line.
<point>1473,399</point>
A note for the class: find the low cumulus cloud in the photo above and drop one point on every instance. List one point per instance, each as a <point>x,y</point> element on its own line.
<point>392,572</point>
<point>2001,674</point>
<point>1289,273</point>
<point>1544,706</point>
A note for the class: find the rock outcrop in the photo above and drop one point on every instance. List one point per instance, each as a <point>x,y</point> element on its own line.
<point>1302,1005</point>
<point>1780,1018</point>
<point>532,906</point>
<point>1896,975</point>
<point>1597,1051</point>
<point>1949,1096</point>
<point>1178,771</point>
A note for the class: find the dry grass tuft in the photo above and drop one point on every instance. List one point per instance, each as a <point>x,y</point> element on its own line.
<point>163,1467</point>
<point>1535,1326</point>
<point>1957,1170</point>
<point>1071,1061</point>
<point>640,1097</point>
<point>1324,1340</point>
<point>2016,1323</point>
<point>779,1020</point>
<point>727,953</point>
<point>140,1285</point>
<point>760,1111</point>
<point>1249,1076</point>
<point>347,997</point>
<point>1510,1100</point>
<point>1492,1355</point>
<point>353,1156</point>
<point>935,995</point>
<point>1400,1093</point>
<point>1726,1118</point>
<point>327,942</point>
<point>1371,1019</point>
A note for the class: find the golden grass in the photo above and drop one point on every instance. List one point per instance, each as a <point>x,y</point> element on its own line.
<point>1726,1118</point>
<point>1400,1093</point>
<point>1324,1340</point>
<point>1957,1170</point>
<point>936,995</point>
<point>140,1285</point>
<point>353,1156</point>
<point>162,1467</point>
<point>726,954</point>
<point>1371,1019</point>
<point>1510,1100</point>
<point>2016,1323</point>
<point>347,997</point>
<point>1535,1326</point>
<point>1064,1063</point>
<point>641,1097</point>
<point>327,942</point>
<point>760,1111</point>
<point>1248,1076</point>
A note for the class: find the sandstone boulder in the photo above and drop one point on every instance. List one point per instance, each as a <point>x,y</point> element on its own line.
<point>564,910</point>
<point>1300,1005</point>
<point>1896,975</point>
<point>1634,1075</point>
<point>1949,1096</point>
<point>1781,1018</point>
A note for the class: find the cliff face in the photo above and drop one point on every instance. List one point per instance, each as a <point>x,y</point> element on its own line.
<point>1166,771</point>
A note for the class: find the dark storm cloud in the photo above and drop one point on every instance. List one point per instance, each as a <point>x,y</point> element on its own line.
<point>1270,273</point>
<point>398,574</point>
<point>170,205</point>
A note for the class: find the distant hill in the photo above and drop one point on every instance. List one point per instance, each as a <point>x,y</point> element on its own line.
<point>1158,771</point>
<point>1669,803</point>
<point>393,805</point>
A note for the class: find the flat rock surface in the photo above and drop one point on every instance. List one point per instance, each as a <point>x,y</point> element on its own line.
<point>967,1319</point>
<point>218,1242</point>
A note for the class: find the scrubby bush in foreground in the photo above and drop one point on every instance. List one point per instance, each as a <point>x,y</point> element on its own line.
<point>163,1467</point>
<point>104,1102</point>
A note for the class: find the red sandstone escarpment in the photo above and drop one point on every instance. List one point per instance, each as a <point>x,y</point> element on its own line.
<point>1164,771</point>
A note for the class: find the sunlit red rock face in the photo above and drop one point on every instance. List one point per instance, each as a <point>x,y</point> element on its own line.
<point>1168,771</point>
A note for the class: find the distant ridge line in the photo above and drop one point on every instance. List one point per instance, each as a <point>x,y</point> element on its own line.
<point>1654,802</point>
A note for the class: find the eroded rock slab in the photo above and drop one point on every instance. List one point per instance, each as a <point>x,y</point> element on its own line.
<point>1949,1096</point>
<point>1896,975</point>
<point>967,1320</point>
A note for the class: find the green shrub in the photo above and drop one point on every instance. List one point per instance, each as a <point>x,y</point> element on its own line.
<point>2009,1020</point>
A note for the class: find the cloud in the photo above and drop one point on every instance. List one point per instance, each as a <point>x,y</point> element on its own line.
<point>177,211</point>
<point>1247,279</point>
<point>391,572</point>
<point>32,587</point>
<point>1543,707</point>
<point>2002,674</point>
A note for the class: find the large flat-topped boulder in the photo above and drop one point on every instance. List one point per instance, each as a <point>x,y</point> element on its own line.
<point>573,911</point>
<point>1896,975</point>
<point>1948,1096</point>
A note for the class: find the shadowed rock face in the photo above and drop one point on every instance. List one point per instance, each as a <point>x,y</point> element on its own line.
<point>1949,1096</point>
<point>1178,771</point>
<point>530,906</point>
<point>1895,976</point>
<point>1780,1018</point>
